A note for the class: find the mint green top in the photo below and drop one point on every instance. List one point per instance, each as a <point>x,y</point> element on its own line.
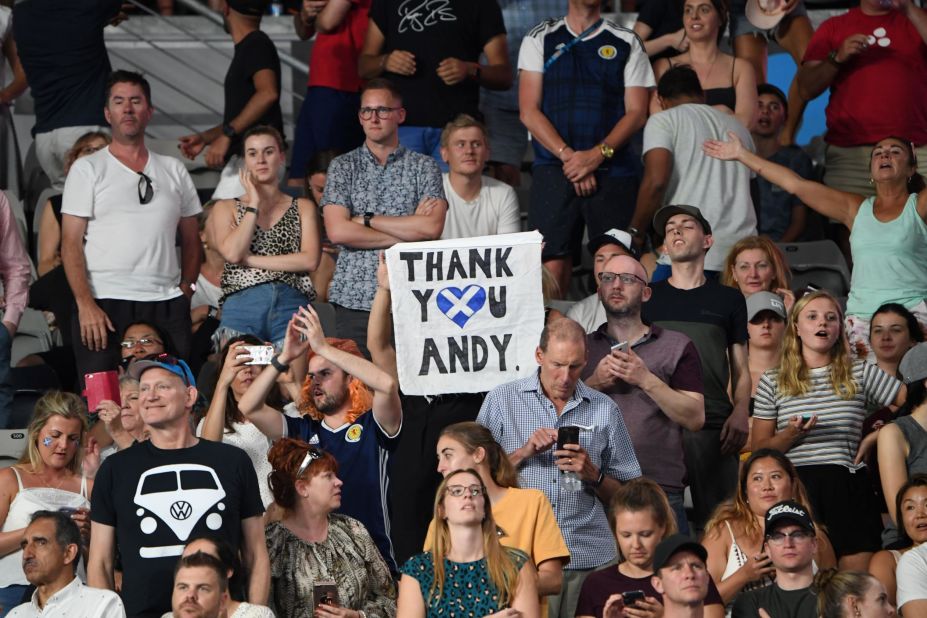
<point>889,259</point>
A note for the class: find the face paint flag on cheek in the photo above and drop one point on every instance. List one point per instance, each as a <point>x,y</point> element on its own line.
<point>47,441</point>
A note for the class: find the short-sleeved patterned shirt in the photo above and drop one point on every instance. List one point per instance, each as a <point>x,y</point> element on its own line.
<point>513,411</point>
<point>358,182</point>
<point>468,590</point>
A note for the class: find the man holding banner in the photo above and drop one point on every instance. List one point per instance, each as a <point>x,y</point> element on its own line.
<point>525,417</point>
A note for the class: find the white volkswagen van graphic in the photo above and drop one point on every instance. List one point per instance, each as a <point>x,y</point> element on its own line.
<point>179,495</point>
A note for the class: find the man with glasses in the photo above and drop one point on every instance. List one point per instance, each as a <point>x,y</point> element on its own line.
<point>122,209</point>
<point>376,196</point>
<point>589,312</point>
<point>150,499</point>
<point>790,542</point>
<point>714,317</point>
<point>652,374</point>
<point>526,418</point>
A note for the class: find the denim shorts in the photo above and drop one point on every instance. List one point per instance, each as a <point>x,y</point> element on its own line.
<point>263,311</point>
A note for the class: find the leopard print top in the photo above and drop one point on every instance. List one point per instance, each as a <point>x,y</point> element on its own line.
<point>283,238</point>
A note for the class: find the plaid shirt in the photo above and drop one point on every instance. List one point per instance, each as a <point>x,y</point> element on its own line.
<point>514,411</point>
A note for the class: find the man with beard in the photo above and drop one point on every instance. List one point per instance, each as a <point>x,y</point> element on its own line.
<point>201,588</point>
<point>340,416</point>
<point>654,375</point>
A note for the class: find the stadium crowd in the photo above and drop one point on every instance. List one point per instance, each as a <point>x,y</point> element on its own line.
<point>699,438</point>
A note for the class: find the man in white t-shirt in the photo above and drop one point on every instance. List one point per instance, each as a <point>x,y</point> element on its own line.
<point>122,209</point>
<point>477,205</point>
<point>676,171</point>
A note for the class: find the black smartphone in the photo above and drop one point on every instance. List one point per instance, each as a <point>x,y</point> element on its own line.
<point>632,596</point>
<point>567,435</point>
<point>324,593</point>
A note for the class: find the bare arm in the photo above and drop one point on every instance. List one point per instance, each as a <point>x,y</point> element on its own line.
<point>102,553</point>
<point>530,88</point>
<point>745,88</point>
<point>412,228</point>
<point>766,436</point>
<point>255,559</point>
<point>816,76</point>
<point>882,567</point>
<point>380,325</point>
<point>332,16</point>
<point>230,238</point>
<point>214,421</point>
<point>307,259</point>
<point>19,84</point>
<point>829,202</point>
<point>49,241</point>
<point>9,487</point>
<point>269,421</point>
<point>343,231</point>
<point>265,95</point>
<point>550,577</point>
<point>410,602</point>
<point>658,168</point>
<point>659,68</point>
<point>496,74</point>
<point>526,594</point>
<point>893,453</point>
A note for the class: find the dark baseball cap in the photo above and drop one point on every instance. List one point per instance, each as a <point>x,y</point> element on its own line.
<point>787,511</point>
<point>913,366</point>
<point>672,545</point>
<point>163,361</point>
<point>663,215</point>
<point>613,236</point>
<point>254,8</point>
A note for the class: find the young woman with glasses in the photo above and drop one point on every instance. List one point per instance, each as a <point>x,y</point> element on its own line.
<point>466,569</point>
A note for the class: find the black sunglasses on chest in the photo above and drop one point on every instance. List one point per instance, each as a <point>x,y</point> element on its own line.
<point>145,188</point>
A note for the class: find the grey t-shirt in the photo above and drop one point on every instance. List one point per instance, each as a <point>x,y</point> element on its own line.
<point>720,189</point>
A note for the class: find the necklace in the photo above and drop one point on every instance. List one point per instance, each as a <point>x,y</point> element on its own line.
<point>48,483</point>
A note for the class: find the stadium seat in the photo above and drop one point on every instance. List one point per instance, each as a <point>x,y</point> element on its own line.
<point>819,263</point>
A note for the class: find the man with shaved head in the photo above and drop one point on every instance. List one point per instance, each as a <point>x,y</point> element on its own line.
<point>524,416</point>
<point>653,375</point>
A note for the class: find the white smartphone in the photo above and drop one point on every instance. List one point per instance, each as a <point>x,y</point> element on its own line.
<point>622,346</point>
<point>260,354</point>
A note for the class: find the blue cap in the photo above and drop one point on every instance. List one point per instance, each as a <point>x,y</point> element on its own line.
<point>163,361</point>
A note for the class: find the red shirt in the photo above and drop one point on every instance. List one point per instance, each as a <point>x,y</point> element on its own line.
<point>333,62</point>
<point>880,92</point>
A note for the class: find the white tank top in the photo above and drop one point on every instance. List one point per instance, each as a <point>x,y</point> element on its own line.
<point>28,500</point>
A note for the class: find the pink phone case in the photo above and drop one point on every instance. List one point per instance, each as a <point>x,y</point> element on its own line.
<point>101,386</point>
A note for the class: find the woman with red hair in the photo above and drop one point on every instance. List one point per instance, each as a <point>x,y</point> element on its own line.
<point>351,409</point>
<point>313,546</point>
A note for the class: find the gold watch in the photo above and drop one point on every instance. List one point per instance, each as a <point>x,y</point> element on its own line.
<point>607,151</point>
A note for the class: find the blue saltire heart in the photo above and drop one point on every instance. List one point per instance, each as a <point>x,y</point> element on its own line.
<point>461,305</point>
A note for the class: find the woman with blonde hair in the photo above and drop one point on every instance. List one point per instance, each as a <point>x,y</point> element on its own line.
<point>851,594</point>
<point>466,569</point>
<point>734,534</point>
<point>812,408</point>
<point>46,478</point>
<point>756,264</point>
<point>314,545</point>
<point>525,519</point>
<point>641,517</point>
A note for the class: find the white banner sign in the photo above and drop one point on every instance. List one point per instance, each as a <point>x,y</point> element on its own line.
<point>467,313</point>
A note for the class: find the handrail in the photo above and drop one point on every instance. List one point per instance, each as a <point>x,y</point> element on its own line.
<point>208,13</point>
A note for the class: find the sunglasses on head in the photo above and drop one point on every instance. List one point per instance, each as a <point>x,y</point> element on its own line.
<point>311,455</point>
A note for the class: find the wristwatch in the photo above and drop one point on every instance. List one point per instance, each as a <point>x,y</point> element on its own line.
<point>228,130</point>
<point>607,151</point>
<point>367,217</point>
<point>832,58</point>
<point>281,367</point>
<point>251,209</point>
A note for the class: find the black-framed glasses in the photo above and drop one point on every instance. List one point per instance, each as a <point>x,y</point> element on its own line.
<point>145,188</point>
<point>625,278</point>
<point>460,490</point>
<point>128,344</point>
<point>796,536</point>
<point>382,112</point>
<point>311,455</point>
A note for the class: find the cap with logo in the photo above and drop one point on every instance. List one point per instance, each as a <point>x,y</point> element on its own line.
<point>613,236</point>
<point>672,545</point>
<point>913,367</point>
<point>765,301</point>
<point>787,511</point>
<point>663,215</point>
